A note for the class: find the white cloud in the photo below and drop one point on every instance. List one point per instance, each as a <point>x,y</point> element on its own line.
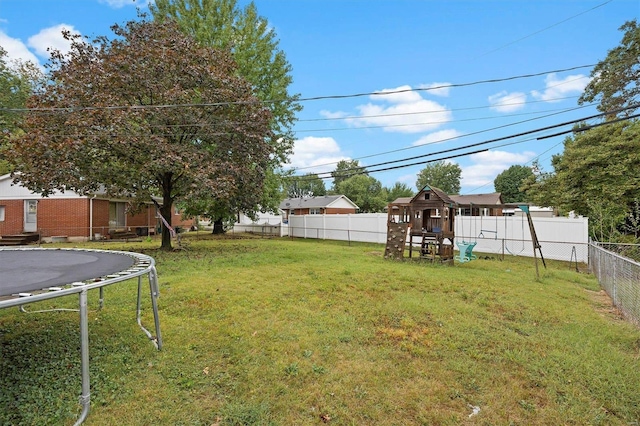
<point>437,89</point>
<point>489,164</point>
<point>16,49</point>
<point>336,114</point>
<point>438,137</point>
<point>314,151</point>
<point>402,94</point>
<point>507,102</point>
<point>117,4</point>
<point>556,89</point>
<point>51,38</point>
<point>409,179</point>
<point>403,111</point>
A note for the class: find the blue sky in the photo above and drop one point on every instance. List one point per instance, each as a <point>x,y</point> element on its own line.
<point>406,47</point>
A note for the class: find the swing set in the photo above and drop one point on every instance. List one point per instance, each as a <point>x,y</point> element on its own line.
<point>466,247</point>
<point>429,216</point>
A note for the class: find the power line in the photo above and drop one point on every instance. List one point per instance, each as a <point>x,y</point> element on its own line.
<point>358,170</point>
<point>308,99</point>
<point>357,117</point>
<point>443,86</point>
<point>578,130</point>
<point>542,30</point>
<point>385,126</point>
<point>451,138</point>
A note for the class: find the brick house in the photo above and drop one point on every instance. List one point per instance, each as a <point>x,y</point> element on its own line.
<point>328,204</point>
<point>77,217</point>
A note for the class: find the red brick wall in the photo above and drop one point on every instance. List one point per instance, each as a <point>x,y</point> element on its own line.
<point>145,217</point>
<point>340,211</point>
<point>178,221</point>
<point>13,217</point>
<point>68,217</point>
<point>100,217</point>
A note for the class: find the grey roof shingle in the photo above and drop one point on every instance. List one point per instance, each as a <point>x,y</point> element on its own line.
<point>312,202</point>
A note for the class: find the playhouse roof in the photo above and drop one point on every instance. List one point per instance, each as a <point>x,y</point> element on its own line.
<point>493,198</point>
<point>438,192</point>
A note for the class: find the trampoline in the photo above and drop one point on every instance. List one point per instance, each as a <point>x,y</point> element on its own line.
<point>30,275</point>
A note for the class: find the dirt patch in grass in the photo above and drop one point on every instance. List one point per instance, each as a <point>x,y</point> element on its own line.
<point>603,304</point>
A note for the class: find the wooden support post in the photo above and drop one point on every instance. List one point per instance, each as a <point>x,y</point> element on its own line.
<point>534,238</point>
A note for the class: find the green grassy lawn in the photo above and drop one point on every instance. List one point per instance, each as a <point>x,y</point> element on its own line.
<point>306,332</point>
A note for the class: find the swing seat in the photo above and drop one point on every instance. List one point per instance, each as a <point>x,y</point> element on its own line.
<point>466,251</point>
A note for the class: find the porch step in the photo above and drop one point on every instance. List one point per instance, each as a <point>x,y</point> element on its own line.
<point>122,234</point>
<point>20,239</point>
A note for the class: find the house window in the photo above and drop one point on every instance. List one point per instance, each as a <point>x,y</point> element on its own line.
<point>315,210</point>
<point>117,215</point>
<point>435,213</point>
<point>1,213</point>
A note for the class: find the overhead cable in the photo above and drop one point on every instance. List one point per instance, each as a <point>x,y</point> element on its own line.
<point>451,138</point>
<point>529,132</point>
<point>307,99</point>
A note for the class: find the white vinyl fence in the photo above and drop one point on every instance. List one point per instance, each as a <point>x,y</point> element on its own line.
<point>560,238</point>
<point>264,229</point>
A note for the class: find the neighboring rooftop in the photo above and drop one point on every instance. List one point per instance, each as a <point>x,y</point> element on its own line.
<point>314,202</point>
<point>493,198</point>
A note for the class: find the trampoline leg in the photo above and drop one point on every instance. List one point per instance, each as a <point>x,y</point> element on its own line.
<point>153,287</point>
<point>155,292</point>
<point>85,398</point>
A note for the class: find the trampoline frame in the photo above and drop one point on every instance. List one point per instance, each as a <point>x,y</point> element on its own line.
<point>142,265</point>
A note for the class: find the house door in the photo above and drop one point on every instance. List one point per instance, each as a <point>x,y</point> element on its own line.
<point>30,215</point>
<point>117,215</point>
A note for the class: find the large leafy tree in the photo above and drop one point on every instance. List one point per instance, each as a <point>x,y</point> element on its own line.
<point>510,181</point>
<point>254,46</point>
<point>151,112</point>
<point>398,190</point>
<point>442,175</point>
<point>18,81</point>
<point>365,191</point>
<point>309,185</point>
<point>344,170</point>
<point>596,176</point>
<point>615,80</point>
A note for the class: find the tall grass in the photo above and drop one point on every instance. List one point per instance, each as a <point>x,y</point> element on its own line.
<point>304,332</point>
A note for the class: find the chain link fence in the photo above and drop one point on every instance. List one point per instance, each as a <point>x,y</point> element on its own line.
<point>619,276</point>
<point>632,251</point>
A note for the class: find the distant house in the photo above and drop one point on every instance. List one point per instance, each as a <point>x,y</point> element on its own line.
<point>74,216</point>
<point>328,204</point>
<point>467,201</point>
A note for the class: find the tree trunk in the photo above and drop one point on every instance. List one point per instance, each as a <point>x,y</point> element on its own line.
<point>165,211</point>
<point>166,233</point>
<point>218,227</point>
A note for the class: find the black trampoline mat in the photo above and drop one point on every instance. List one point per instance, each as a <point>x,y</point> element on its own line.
<point>23,271</point>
